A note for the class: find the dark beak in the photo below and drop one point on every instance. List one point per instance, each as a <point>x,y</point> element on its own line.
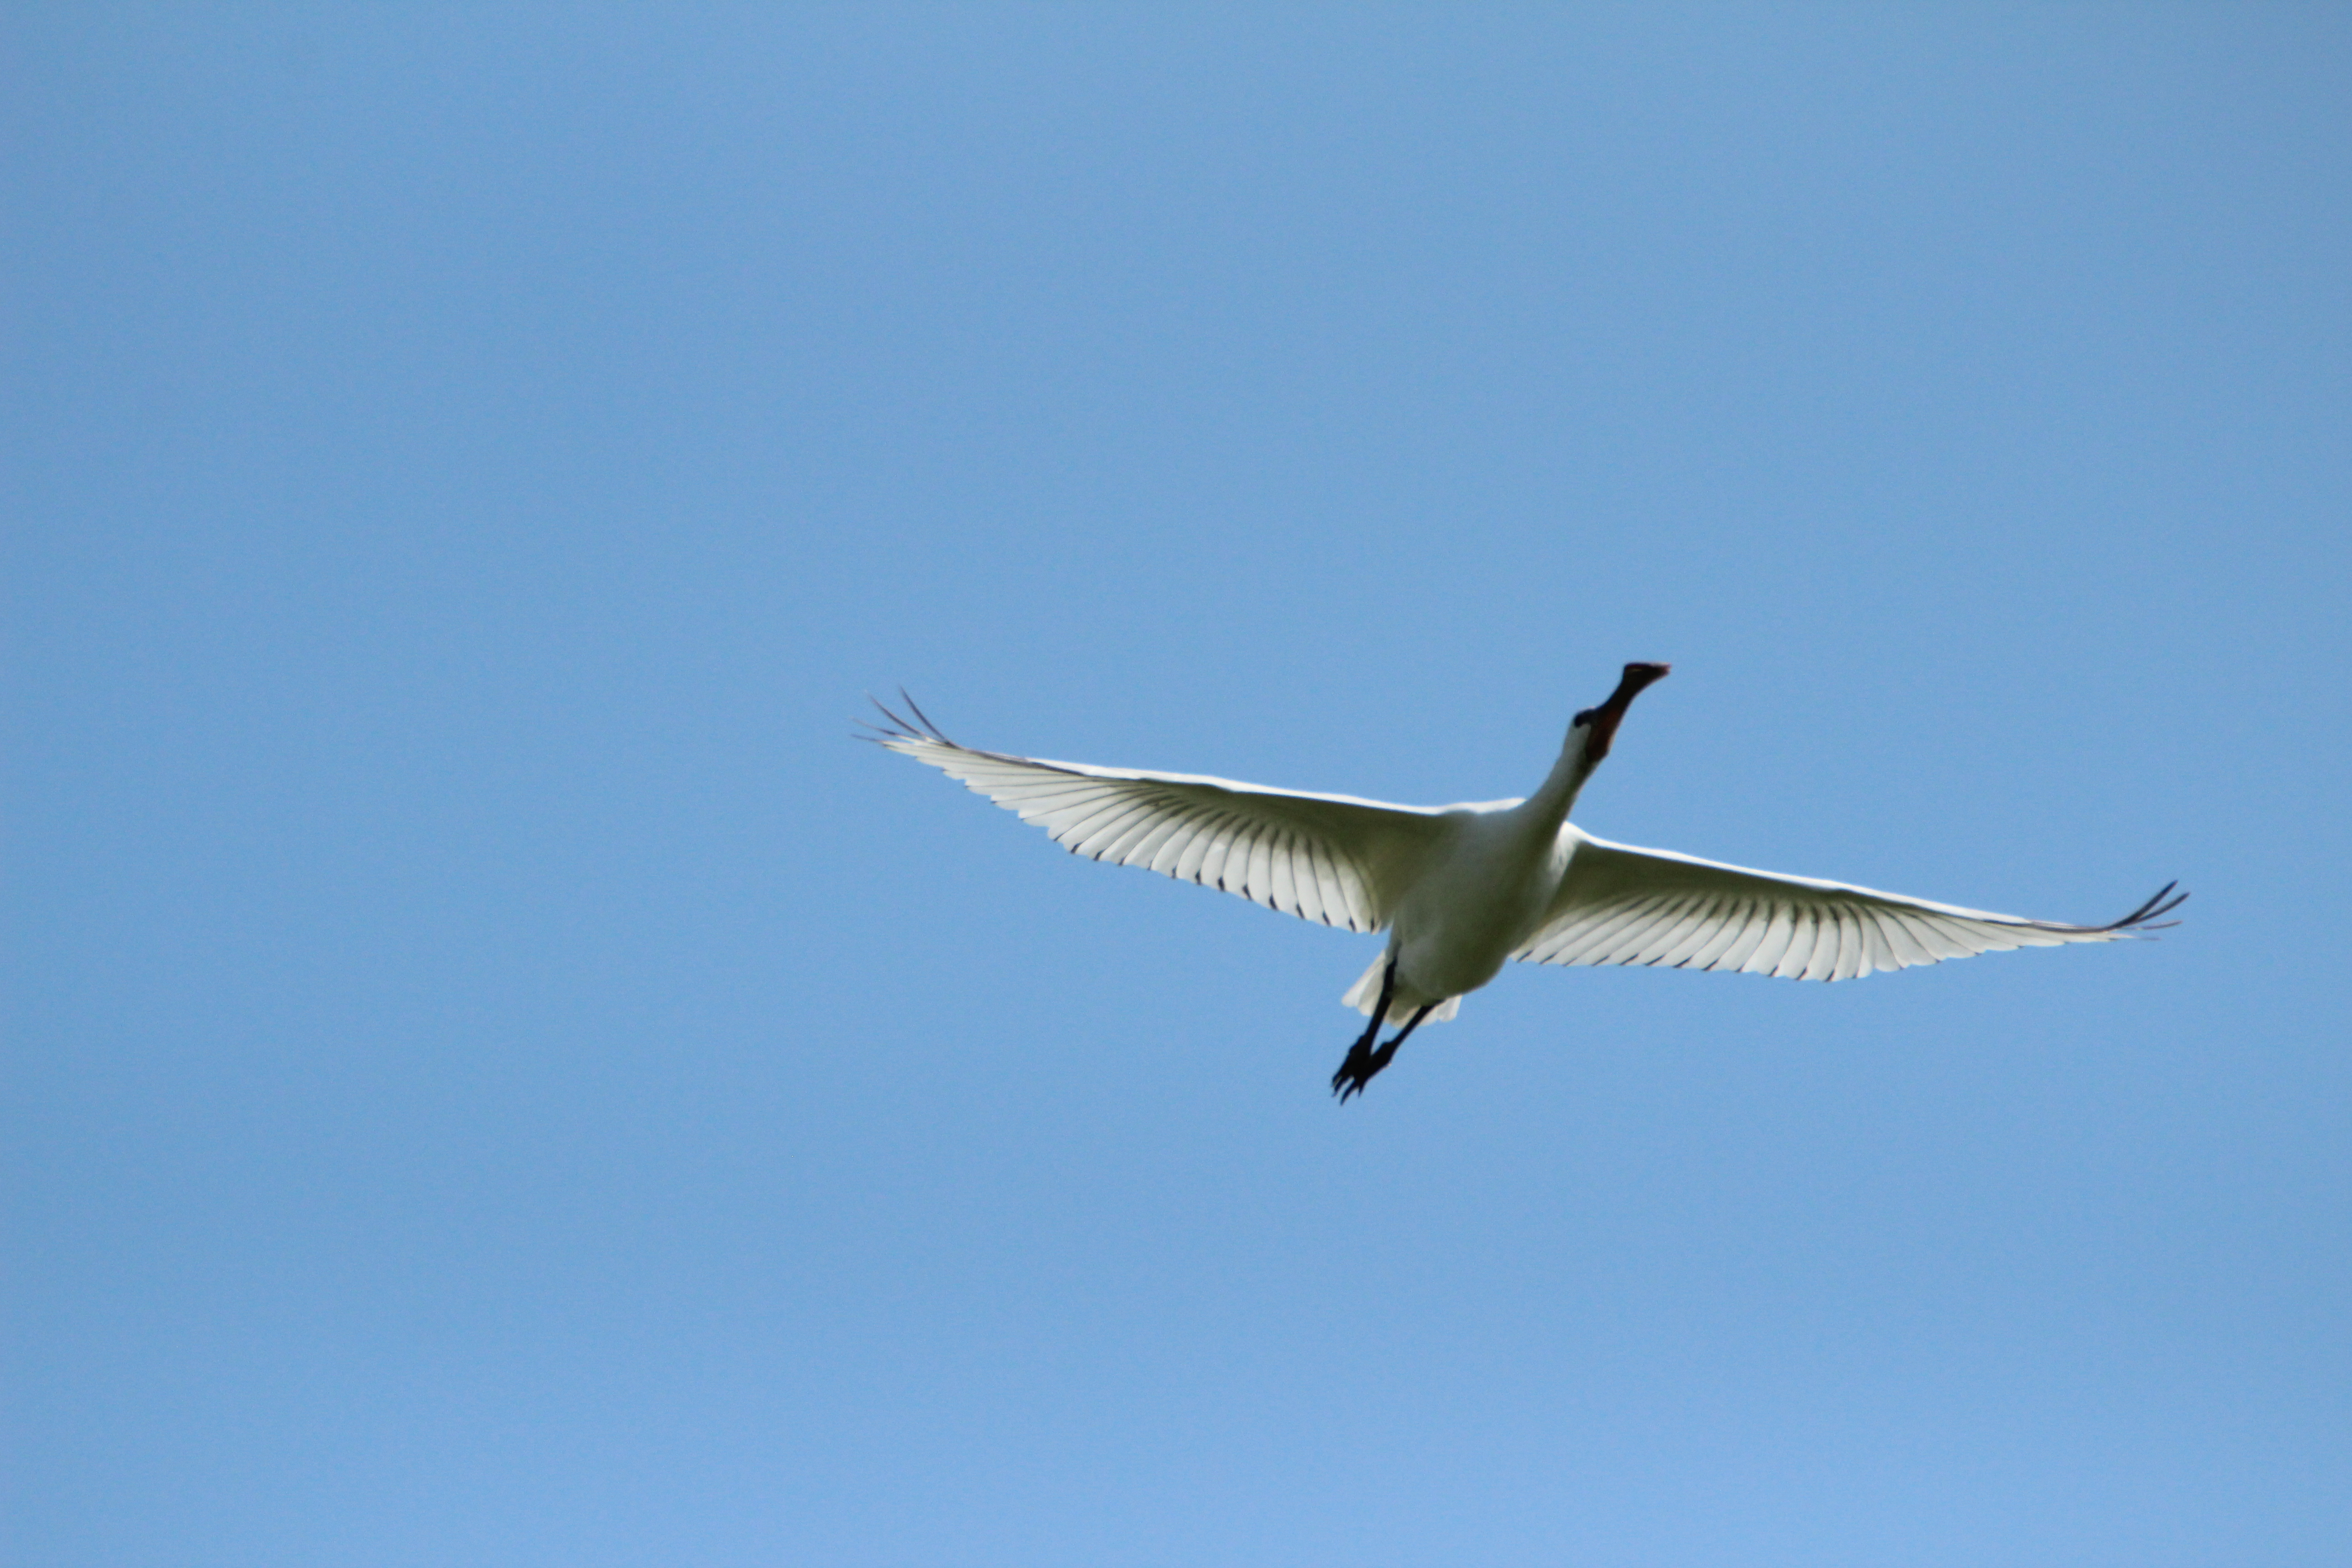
<point>1609,714</point>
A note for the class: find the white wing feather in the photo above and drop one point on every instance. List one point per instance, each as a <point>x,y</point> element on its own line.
<point>1618,904</point>
<point>1327,858</point>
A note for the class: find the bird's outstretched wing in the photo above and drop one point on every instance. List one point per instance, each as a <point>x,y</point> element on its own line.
<point>1618,904</point>
<point>1326,857</point>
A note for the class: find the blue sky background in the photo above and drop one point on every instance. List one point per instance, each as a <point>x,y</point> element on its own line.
<point>496,1075</point>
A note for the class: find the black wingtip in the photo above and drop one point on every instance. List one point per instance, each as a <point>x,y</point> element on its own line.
<point>897,727</point>
<point>2161,902</point>
<point>929,729</point>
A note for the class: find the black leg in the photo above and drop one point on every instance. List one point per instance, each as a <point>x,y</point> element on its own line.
<point>1364,1062</point>
<point>1387,1053</point>
<point>1357,1070</point>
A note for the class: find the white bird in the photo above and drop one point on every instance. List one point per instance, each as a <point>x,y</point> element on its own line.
<point>1460,888</point>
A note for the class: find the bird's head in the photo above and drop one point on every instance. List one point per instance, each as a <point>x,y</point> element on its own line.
<point>1600,725</point>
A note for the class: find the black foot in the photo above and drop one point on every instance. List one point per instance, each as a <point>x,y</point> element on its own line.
<point>1362,1064</point>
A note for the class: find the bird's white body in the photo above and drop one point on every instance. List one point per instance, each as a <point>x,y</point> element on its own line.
<point>1484,890</point>
<point>1462,889</point>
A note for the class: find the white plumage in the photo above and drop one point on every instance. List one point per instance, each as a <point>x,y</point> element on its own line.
<point>1462,888</point>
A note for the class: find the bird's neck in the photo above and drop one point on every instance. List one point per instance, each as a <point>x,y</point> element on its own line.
<point>1549,806</point>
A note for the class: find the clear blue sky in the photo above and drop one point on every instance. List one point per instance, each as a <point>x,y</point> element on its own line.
<point>496,1075</point>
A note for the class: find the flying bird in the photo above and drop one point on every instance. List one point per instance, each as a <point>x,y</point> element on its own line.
<point>1460,888</point>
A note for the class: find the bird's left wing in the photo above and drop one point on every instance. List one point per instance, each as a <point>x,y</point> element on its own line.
<point>1618,904</point>
<point>1326,857</point>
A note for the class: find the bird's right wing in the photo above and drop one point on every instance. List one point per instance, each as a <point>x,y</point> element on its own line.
<point>1327,858</point>
<point>1618,904</point>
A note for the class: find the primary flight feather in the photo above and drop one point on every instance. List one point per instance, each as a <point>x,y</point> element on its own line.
<point>1461,889</point>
